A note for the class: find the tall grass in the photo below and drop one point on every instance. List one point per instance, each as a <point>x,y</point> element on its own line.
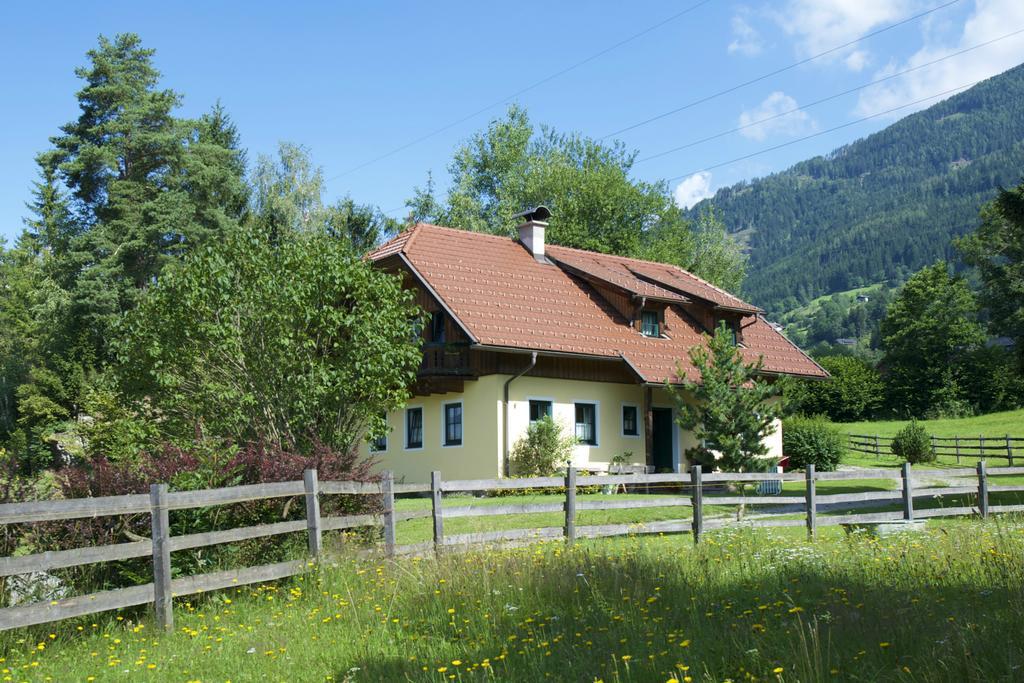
<point>744,605</point>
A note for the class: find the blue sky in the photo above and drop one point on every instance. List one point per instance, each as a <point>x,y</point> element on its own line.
<point>352,81</point>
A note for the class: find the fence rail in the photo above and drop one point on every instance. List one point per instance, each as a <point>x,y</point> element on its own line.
<point>980,447</point>
<point>704,495</point>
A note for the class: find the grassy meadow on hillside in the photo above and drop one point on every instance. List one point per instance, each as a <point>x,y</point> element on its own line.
<point>744,605</point>
<point>993,425</point>
<point>990,426</point>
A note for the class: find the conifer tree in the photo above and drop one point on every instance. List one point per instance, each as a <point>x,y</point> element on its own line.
<point>729,409</point>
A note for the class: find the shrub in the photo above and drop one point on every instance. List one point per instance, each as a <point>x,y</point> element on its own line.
<point>543,451</point>
<point>812,441</point>
<point>204,464</point>
<point>913,444</point>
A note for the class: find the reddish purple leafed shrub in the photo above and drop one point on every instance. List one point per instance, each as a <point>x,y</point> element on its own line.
<point>201,468</point>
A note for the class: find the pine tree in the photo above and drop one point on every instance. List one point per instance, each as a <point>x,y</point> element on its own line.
<point>145,186</point>
<point>730,410</point>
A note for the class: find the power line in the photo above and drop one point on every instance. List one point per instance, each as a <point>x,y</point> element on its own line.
<point>708,98</point>
<point>820,133</point>
<point>829,98</point>
<point>522,91</point>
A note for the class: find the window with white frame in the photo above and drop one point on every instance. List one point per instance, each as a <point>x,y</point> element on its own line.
<point>414,428</point>
<point>586,423</point>
<point>539,408</point>
<point>453,424</point>
<point>630,420</point>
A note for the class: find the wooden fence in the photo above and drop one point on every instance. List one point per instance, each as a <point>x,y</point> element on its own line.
<point>694,490</point>
<point>980,447</point>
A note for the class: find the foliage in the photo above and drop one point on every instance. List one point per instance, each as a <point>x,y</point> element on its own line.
<point>543,451</point>
<point>913,444</point>
<point>812,441</point>
<point>843,315</point>
<point>595,204</point>
<point>928,332</point>
<point>997,251</point>
<point>145,186</point>
<point>853,392</point>
<point>729,408</point>
<point>273,335</point>
<point>893,198</point>
<point>204,465</point>
<point>287,197</point>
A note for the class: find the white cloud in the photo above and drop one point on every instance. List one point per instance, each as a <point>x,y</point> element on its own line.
<point>990,19</point>
<point>746,39</point>
<point>820,25</point>
<point>857,60</point>
<point>774,108</point>
<point>693,189</point>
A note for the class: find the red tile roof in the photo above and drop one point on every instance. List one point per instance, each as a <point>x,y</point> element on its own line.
<point>505,298</point>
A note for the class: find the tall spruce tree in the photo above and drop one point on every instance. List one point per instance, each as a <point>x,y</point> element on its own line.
<point>730,409</point>
<point>145,186</point>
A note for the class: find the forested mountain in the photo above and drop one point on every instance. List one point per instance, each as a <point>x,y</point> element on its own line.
<point>882,207</point>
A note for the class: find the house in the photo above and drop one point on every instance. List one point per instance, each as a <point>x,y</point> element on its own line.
<point>863,298</point>
<point>519,329</point>
<point>846,341</point>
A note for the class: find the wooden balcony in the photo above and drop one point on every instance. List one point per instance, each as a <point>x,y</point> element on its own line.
<point>445,360</point>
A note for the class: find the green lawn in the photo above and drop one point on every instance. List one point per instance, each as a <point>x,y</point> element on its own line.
<point>765,605</point>
<point>993,425</point>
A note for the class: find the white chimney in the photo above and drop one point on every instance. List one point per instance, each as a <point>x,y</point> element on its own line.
<point>531,233</point>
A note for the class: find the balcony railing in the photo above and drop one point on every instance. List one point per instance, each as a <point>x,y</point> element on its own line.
<point>445,359</point>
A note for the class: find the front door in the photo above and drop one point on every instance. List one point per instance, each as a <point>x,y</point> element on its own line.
<point>661,438</point>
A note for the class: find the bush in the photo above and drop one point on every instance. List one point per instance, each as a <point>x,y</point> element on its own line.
<point>204,464</point>
<point>544,450</point>
<point>913,444</point>
<point>812,441</point>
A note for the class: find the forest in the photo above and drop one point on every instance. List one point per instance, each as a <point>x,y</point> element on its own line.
<point>896,199</point>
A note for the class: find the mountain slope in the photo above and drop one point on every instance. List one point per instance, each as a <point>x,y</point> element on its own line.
<point>881,207</point>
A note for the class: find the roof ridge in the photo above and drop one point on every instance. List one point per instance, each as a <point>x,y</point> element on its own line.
<point>588,252</point>
<point>413,231</point>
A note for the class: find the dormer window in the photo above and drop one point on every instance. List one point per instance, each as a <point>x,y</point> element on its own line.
<point>650,326</point>
<point>732,326</point>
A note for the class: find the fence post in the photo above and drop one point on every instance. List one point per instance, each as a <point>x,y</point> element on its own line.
<point>312,486</point>
<point>162,604</point>
<point>387,491</point>
<point>1009,450</point>
<point>957,450</point>
<point>696,481</point>
<point>982,489</point>
<point>878,452</point>
<point>908,494</point>
<point>436,509</point>
<point>570,505</point>
<point>935,455</point>
<point>981,447</point>
<point>812,505</point>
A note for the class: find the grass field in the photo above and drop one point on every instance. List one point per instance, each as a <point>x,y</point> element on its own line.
<point>745,605</point>
<point>993,425</point>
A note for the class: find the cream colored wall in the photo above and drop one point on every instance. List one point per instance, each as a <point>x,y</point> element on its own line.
<point>564,394</point>
<point>480,455</point>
